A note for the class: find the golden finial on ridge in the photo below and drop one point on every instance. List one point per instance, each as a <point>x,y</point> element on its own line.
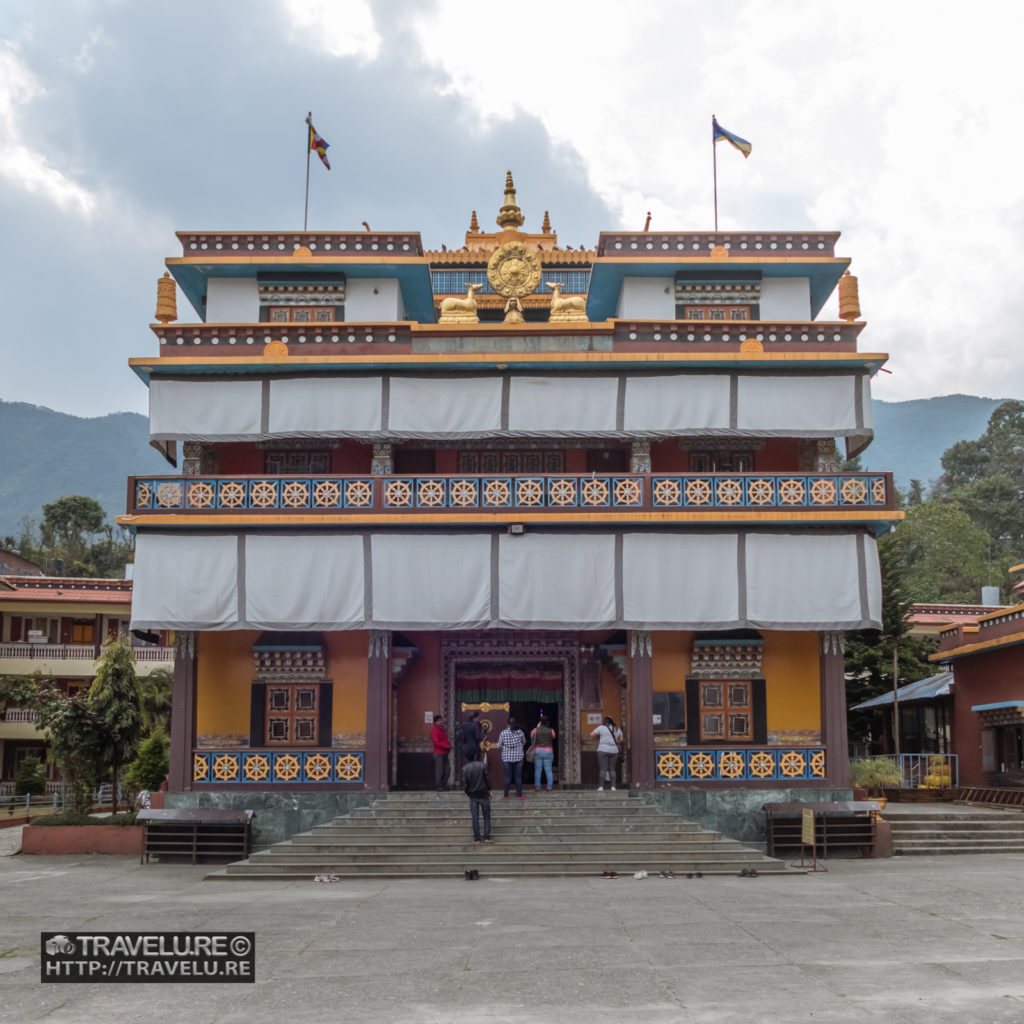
<point>510,217</point>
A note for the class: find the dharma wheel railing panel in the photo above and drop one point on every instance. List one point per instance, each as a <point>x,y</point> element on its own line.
<point>739,764</point>
<point>506,493</point>
<point>277,767</point>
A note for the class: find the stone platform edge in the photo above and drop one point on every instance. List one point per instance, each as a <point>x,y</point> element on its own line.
<point>278,816</point>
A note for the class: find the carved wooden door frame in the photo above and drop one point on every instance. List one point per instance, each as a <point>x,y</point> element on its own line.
<point>520,648</point>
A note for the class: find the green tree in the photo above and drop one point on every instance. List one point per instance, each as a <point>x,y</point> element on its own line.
<point>995,503</point>
<point>150,768</point>
<point>157,690</point>
<point>946,557</point>
<point>74,532</point>
<point>869,652</point>
<point>72,729</point>
<point>30,777</point>
<point>68,520</point>
<point>986,478</point>
<point>116,701</point>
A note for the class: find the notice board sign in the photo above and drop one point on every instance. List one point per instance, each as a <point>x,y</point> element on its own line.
<point>807,828</point>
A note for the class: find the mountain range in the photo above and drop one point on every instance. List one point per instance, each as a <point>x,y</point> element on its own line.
<point>47,454</point>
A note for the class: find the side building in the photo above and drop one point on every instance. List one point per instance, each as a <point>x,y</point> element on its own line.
<point>986,659</point>
<point>508,476</point>
<point>56,627</point>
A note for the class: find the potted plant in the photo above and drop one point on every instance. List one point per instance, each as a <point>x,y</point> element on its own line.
<point>873,774</point>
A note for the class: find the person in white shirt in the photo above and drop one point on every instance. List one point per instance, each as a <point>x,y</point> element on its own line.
<point>609,737</point>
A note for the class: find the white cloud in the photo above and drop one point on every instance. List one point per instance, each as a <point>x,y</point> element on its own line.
<point>341,29</point>
<point>24,164</point>
<point>895,126</point>
<point>84,60</point>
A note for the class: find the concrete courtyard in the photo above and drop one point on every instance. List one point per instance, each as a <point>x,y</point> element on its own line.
<point>926,939</point>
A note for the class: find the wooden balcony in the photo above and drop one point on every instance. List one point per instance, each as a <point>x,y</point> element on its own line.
<point>456,498</point>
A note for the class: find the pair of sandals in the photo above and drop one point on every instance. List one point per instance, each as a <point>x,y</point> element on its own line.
<point>472,875</point>
<point>748,873</point>
<point>666,874</point>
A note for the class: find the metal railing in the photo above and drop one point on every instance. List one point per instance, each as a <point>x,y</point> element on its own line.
<point>922,771</point>
<point>52,652</point>
<point>11,805</point>
<point>14,715</point>
<point>76,652</point>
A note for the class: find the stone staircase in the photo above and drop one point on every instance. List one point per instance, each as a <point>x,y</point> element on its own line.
<point>949,828</point>
<point>550,834</point>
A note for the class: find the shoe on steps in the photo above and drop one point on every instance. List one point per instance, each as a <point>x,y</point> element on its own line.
<point>600,789</point>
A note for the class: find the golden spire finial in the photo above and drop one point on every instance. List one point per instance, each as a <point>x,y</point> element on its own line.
<point>474,226</point>
<point>510,217</point>
<point>545,228</point>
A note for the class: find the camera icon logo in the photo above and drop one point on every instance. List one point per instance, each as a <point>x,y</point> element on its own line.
<point>59,945</point>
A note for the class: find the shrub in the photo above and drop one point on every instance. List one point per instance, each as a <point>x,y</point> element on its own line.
<point>30,777</point>
<point>75,818</point>
<point>149,769</point>
<point>874,773</point>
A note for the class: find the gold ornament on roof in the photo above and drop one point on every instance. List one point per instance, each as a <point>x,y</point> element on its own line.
<point>573,307</point>
<point>461,310</point>
<point>514,271</point>
<point>510,217</point>
<point>849,298</point>
<point>166,299</point>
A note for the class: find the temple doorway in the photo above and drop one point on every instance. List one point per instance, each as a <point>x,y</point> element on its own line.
<point>525,671</point>
<point>500,692</point>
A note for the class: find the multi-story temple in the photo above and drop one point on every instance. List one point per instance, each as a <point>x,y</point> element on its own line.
<point>512,476</point>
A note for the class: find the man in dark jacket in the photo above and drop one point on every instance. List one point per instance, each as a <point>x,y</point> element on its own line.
<point>471,735</point>
<point>478,788</point>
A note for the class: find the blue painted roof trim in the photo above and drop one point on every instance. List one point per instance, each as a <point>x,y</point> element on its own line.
<point>1001,704</point>
<point>606,278</point>
<point>413,280</point>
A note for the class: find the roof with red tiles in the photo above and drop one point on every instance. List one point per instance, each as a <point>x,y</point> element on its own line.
<point>65,589</point>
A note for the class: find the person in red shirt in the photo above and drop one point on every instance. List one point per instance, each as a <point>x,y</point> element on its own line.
<point>442,748</point>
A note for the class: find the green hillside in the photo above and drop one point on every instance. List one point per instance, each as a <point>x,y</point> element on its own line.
<point>46,455</point>
<point>910,437</point>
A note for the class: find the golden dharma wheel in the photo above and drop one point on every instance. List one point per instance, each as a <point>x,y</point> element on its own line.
<point>514,270</point>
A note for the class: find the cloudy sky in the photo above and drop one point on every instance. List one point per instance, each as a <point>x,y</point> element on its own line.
<point>121,122</point>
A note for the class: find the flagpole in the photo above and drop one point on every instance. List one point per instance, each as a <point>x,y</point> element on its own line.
<point>714,164</point>
<point>309,128</point>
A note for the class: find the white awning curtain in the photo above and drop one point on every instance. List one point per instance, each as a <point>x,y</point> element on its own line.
<point>473,407</point>
<point>544,579</point>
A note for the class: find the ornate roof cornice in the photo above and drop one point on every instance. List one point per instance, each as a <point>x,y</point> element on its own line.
<point>479,257</point>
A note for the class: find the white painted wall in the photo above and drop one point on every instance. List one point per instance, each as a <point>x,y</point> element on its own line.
<point>786,298</point>
<point>647,298</point>
<point>232,300</point>
<point>373,300</point>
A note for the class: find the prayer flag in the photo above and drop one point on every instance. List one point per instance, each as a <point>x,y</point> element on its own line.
<point>720,133</point>
<point>318,144</point>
